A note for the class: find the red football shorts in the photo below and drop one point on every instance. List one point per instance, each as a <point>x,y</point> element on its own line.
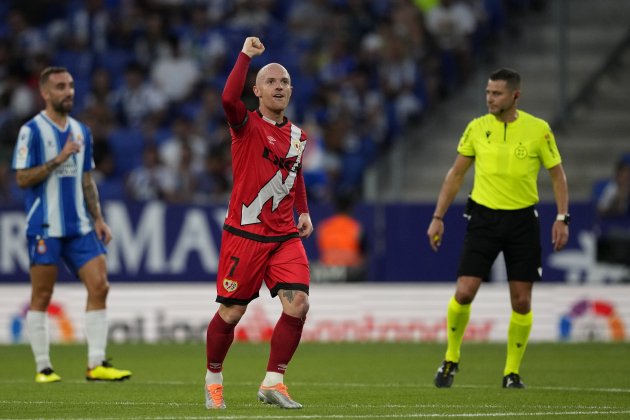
<point>244,264</point>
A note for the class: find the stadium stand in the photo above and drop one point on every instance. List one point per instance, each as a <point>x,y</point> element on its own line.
<point>578,49</point>
<point>366,72</point>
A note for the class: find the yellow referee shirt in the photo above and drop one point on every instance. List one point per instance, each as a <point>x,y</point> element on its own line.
<point>507,159</point>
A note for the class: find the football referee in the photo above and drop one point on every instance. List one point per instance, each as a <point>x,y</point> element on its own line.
<point>507,147</point>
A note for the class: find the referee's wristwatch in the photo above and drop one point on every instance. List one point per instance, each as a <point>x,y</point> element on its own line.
<point>565,218</point>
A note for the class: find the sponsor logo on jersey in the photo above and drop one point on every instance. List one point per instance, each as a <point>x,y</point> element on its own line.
<point>67,169</point>
<point>281,163</point>
<point>230,285</point>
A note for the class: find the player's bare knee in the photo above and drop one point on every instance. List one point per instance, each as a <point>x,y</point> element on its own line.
<point>521,306</point>
<point>295,303</point>
<point>98,290</point>
<point>464,297</point>
<point>521,302</point>
<point>232,314</point>
<point>40,299</point>
<point>301,309</point>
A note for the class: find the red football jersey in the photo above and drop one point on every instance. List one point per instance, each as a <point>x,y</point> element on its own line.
<point>266,158</point>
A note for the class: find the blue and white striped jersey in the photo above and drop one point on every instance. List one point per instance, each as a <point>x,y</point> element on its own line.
<point>55,207</point>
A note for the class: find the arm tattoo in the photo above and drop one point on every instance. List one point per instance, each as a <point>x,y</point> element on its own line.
<point>289,295</point>
<point>33,176</point>
<point>51,165</point>
<point>90,192</point>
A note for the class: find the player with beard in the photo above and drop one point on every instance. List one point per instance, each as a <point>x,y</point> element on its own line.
<point>261,241</point>
<point>53,160</point>
<point>508,147</point>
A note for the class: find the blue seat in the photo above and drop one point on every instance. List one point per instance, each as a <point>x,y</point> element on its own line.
<point>115,62</point>
<point>127,145</point>
<point>79,63</point>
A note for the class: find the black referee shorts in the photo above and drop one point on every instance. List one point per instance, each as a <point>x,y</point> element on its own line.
<point>515,232</point>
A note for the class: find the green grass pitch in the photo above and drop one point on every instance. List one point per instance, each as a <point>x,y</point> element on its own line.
<point>332,381</point>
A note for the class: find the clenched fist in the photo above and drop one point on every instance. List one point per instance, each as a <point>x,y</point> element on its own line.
<point>253,46</point>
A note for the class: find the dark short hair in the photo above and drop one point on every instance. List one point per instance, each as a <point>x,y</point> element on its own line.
<point>45,74</point>
<point>511,77</point>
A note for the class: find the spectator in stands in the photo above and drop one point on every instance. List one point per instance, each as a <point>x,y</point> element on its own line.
<point>253,16</point>
<point>399,80</point>
<point>183,135</point>
<point>341,239</point>
<point>208,114</point>
<point>205,43</point>
<point>104,164</point>
<point>153,180</point>
<point>90,26</point>
<point>153,42</point>
<point>614,199</point>
<point>306,20</point>
<point>26,39</point>
<point>137,100</point>
<point>19,97</point>
<point>186,175</point>
<point>100,92</point>
<point>175,73</point>
<point>452,24</point>
<point>317,164</point>
<point>212,185</point>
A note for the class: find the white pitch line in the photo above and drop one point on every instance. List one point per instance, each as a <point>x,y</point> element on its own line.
<point>347,385</point>
<point>389,416</point>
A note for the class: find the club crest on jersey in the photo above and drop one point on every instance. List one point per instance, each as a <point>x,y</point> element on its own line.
<point>41,247</point>
<point>520,152</point>
<point>78,138</point>
<point>230,285</point>
<point>297,145</point>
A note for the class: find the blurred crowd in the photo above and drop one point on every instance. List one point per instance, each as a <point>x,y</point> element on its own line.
<point>149,76</point>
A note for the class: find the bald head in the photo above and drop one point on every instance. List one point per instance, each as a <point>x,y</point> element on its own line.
<point>274,70</point>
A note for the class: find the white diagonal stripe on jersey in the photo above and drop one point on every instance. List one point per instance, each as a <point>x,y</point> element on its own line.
<point>52,205</point>
<point>79,199</point>
<point>296,148</point>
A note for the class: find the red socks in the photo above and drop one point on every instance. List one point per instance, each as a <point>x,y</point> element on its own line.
<point>219,337</point>
<point>284,341</point>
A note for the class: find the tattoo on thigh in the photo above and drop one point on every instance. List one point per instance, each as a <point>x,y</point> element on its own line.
<point>289,295</point>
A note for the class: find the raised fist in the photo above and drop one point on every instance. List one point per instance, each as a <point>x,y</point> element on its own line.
<point>253,46</point>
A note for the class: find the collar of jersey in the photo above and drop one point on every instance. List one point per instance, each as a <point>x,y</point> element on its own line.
<point>270,121</point>
<point>54,124</point>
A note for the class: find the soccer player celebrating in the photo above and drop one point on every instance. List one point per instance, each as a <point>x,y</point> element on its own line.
<point>53,160</point>
<point>260,239</point>
<point>508,147</point>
